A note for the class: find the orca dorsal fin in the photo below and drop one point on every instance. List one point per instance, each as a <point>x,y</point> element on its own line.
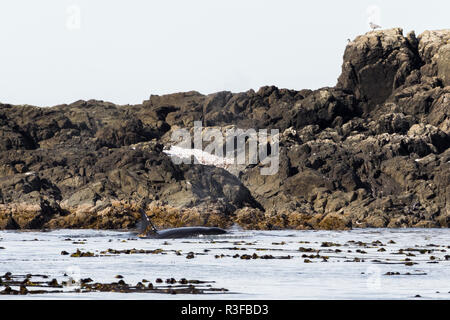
<point>146,225</point>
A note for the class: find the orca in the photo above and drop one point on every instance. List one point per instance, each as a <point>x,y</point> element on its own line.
<point>149,231</point>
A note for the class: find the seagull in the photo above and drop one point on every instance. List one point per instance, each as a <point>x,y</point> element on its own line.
<point>374,26</point>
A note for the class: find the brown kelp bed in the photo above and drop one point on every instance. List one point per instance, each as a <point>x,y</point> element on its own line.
<point>16,284</point>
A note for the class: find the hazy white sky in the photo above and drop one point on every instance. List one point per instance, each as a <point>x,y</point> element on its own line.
<point>59,51</point>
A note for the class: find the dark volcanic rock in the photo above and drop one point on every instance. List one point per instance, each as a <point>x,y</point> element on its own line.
<point>377,63</point>
<point>371,152</point>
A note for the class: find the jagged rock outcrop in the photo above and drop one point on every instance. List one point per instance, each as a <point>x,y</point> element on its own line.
<point>377,63</point>
<point>434,50</point>
<point>371,152</point>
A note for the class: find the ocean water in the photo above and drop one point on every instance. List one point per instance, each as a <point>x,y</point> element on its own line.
<point>356,266</point>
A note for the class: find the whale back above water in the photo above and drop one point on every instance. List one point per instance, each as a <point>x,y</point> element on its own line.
<point>185,232</point>
<point>148,230</point>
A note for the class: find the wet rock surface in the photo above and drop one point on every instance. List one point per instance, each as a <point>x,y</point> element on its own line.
<point>371,152</point>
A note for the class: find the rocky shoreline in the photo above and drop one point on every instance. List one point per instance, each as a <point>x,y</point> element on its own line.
<point>373,151</point>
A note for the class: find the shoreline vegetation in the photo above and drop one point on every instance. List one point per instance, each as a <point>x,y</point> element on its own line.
<point>373,151</point>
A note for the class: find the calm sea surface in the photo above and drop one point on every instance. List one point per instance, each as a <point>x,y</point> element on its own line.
<point>304,264</point>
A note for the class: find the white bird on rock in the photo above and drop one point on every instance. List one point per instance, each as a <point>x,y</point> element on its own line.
<point>374,26</point>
